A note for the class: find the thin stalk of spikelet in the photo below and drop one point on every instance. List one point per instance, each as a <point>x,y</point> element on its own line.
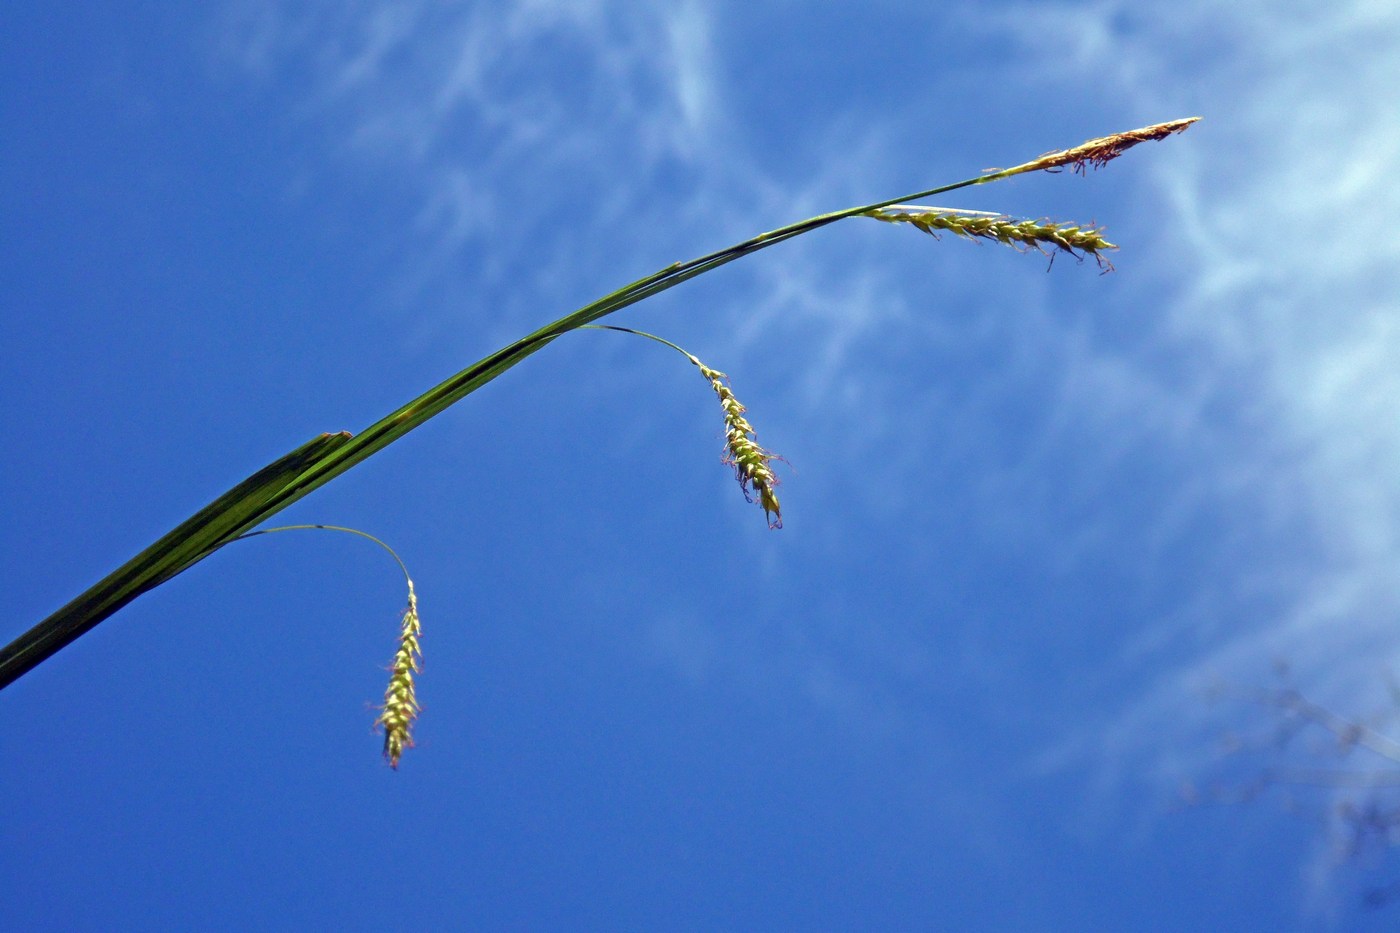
<point>1018,234</point>
<point>401,707</point>
<point>1097,153</point>
<point>741,450</point>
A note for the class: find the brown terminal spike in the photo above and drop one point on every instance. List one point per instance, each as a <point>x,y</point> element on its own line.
<point>1096,153</point>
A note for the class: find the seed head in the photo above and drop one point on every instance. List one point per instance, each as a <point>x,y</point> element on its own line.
<point>1018,234</point>
<point>741,450</point>
<point>1099,152</point>
<point>401,707</point>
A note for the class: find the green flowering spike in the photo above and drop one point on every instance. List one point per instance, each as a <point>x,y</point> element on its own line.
<point>741,450</point>
<point>1018,234</point>
<point>401,707</point>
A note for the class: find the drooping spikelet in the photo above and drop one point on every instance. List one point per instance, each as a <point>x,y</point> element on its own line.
<point>1099,152</point>
<point>741,450</point>
<point>401,707</point>
<point>1018,234</point>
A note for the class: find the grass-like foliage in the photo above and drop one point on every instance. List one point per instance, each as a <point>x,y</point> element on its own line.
<point>239,511</point>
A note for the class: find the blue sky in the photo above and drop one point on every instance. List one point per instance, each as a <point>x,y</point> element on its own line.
<point>1030,517</point>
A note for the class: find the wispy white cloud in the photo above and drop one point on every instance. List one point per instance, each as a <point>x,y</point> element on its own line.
<point>1281,303</point>
<point>509,124</point>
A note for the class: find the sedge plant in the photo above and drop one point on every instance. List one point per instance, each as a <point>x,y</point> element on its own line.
<point>237,513</point>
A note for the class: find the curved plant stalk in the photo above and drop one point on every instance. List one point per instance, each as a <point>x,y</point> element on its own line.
<point>741,450</point>
<point>400,709</point>
<point>341,528</point>
<point>322,459</point>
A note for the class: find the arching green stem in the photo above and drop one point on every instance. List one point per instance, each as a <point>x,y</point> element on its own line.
<point>341,528</point>
<point>321,460</point>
